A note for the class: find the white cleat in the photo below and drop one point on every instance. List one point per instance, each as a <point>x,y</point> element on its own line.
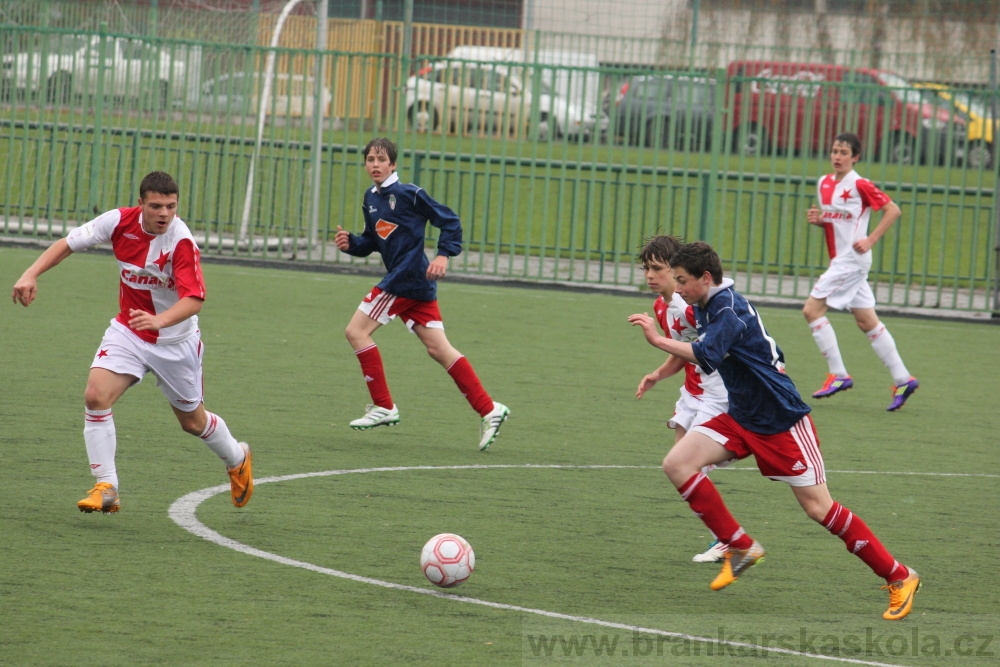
<point>376,416</point>
<point>714,554</point>
<point>491,425</point>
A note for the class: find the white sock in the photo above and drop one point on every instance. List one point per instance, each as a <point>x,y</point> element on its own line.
<point>826,341</point>
<point>99,435</point>
<point>218,438</point>
<point>885,347</point>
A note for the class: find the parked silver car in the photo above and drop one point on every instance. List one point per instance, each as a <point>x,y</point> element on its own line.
<point>460,96</point>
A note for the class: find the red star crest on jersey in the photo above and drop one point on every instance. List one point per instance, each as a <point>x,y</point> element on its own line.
<point>102,353</point>
<point>678,325</point>
<point>162,260</point>
<point>383,228</point>
<point>845,195</point>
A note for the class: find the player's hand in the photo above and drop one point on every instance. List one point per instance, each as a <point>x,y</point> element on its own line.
<point>24,292</point>
<point>140,320</point>
<point>814,215</point>
<point>647,383</point>
<point>648,325</point>
<point>342,239</point>
<point>438,268</point>
<point>642,320</point>
<point>863,246</point>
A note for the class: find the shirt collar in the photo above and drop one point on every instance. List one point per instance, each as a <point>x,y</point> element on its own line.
<point>389,180</point>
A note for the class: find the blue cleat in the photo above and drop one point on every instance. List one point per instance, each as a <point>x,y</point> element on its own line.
<point>833,384</point>
<point>901,392</point>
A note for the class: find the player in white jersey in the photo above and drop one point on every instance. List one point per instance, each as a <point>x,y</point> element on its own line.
<point>703,395</point>
<point>156,330</point>
<point>846,201</point>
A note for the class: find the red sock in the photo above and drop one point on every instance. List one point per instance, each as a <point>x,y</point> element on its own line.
<point>704,500</point>
<point>861,542</point>
<point>468,383</point>
<point>371,368</point>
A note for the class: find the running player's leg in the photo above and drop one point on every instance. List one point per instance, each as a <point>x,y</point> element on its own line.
<point>884,346</point>
<point>359,334</point>
<point>104,388</point>
<point>683,465</point>
<point>374,311</point>
<point>837,378</point>
<point>430,330</point>
<point>859,539</point>
<point>215,433</point>
<point>691,411</point>
<point>180,376</point>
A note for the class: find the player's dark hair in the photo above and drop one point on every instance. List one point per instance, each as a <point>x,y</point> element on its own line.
<point>158,181</point>
<point>382,145</point>
<point>658,249</point>
<point>851,140</point>
<point>697,258</point>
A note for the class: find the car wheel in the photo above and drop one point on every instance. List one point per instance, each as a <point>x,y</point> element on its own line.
<point>423,118</point>
<point>657,141</point>
<point>158,97</point>
<point>543,131</point>
<point>750,141</point>
<point>59,88</point>
<point>901,149</point>
<point>979,155</point>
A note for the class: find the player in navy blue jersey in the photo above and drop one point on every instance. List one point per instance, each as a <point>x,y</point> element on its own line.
<point>396,216</point>
<point>766,418</point>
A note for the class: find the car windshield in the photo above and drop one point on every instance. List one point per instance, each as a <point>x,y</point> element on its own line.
<point>903,88</point>
<point>65,45</point>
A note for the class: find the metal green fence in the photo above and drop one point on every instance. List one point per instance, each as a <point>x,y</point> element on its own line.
<point>81,124</point>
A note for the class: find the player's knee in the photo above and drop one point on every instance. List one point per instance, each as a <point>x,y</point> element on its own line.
<point>674,469</point>
<point>191,424</point>
<point>95,399</point>
<point>816,509</point>
<point>190,428</point>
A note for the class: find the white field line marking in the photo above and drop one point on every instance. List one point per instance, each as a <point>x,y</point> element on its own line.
<point>183,511</point>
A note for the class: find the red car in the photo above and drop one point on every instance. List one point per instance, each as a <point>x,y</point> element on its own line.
<point>801,107</point>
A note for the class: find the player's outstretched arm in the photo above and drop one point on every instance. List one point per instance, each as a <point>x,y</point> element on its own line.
<point>26,288</point>
<point>669,345</point>
<point>668,368</point>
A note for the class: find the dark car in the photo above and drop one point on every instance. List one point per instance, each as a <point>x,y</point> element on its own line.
<point>665,110</point>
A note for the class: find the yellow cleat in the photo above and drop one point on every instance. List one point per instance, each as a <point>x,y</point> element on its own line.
<point>901,594</point>
<point>241,478</point>
<point>736,563</point>
<point>102,498</point>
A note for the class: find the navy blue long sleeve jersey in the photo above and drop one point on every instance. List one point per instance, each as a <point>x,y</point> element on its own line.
<point>732,340</point>
<point>395,220</point>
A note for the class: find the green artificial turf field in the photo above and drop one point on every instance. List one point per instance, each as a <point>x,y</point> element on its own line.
<point>583,548</point>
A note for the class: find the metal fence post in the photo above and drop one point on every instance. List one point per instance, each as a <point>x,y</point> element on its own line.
<point>96,179</point>
<point>996,188</point>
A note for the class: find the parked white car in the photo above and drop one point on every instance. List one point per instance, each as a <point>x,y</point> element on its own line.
<point>238,93</point>
<point>69,66</point>
<point>494,97</point>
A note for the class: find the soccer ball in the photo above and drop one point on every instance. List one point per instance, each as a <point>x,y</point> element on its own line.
<point>447,560</point>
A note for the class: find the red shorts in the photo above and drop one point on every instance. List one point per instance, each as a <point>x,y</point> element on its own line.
<point>792,456</point>
<point>384,307</point>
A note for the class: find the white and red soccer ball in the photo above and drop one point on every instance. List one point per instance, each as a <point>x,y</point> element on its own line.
<point>447,560</point>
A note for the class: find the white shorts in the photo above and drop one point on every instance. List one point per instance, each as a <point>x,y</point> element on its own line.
<point>177,367</point>
<point>844,285</point>
<point>691,410</point>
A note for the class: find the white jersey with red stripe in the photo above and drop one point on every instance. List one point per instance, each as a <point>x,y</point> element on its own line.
<point>156,270</point>
<point>847,206</point>
<point>677,321</point>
